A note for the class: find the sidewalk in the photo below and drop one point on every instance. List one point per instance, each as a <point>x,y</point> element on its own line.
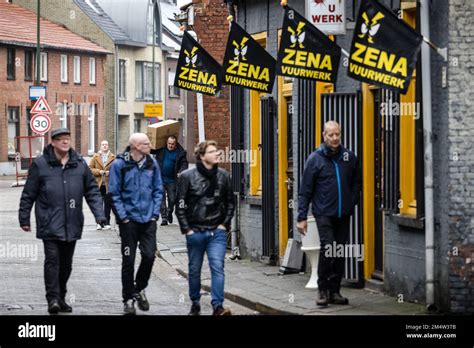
<point>260,288</point>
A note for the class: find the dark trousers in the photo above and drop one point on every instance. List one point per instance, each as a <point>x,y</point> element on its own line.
<point>331,268</point>
<point>169,192</point>
<point>57,267</point>
<point>107,203</point>
<point>143,235</point>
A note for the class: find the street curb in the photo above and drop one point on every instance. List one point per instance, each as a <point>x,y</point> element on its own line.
<point>253,305</point>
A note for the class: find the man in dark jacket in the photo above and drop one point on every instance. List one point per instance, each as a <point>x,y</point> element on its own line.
<point>57,182</point>
<point>172,161</point>
<point>136,190</point>
<point>331,183</point>
<point>205,208</point>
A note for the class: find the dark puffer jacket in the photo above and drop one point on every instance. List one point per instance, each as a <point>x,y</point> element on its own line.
<point>192,204</point>
<point>58,194</point>
<point>181,163</point>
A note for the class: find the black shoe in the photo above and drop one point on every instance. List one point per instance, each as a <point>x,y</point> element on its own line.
<point>142,301</point>
<point>129,307</point>
<point>170,218</point>
<point>64,307</point>
<point>53,307</point>
<point>323,298</point>
<point>336,298</point>
<point>164,222</point>
<point>195,309</point>
<point>219,310</point>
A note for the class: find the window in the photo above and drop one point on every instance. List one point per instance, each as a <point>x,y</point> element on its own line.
<point>150,25</point>
<point>28,65</point>
<point>44,67</point>
<point>63,68</point>
<point>174,92</point>
<point>137,125</point>
<point>91,119</point>
<point>13,130</point>
<point>63,117</point>
<point>92,71</point>
<point>144,81</point>
<point>122,79</point>
<point>77,69</point>
<point>10,63</point>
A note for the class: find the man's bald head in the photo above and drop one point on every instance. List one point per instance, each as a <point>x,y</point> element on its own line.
<point>332,134</point>
<point>139,142</point>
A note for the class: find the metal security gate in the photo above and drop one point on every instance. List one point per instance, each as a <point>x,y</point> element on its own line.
<point>306,108</point>
<point>268,178</point>
<point>236,136</point>
<point>346,109</point>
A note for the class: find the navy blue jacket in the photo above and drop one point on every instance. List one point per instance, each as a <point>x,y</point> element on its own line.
<point>331,184</point>
<point>136,192</point>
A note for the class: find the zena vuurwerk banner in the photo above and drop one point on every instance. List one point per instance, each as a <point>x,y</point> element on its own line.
<point>384,48</point>
<point>197,71</point>
<point>246,63</point>
<point>305,52</point>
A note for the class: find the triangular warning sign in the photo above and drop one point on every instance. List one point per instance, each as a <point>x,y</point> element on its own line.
<point>41,106</point>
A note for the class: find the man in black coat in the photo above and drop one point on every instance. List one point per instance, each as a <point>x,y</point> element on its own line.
<point>57,183</point>
<point>172,161</point>
<point>331,182</point>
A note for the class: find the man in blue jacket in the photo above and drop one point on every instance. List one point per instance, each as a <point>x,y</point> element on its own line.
<point>136,189</point>
<point>331,183</point>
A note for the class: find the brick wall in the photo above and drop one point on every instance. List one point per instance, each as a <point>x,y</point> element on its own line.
<point>15,94</point>
<point>212,29</point>
<point>461,156</point>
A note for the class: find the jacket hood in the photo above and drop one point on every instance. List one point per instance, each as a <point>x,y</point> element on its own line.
<point>127,158</point>
<point>324,150</point>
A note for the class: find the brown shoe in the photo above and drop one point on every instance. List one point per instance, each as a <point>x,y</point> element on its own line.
<point>323,298</point>
<point>219,310</point>
<point>336,298</point>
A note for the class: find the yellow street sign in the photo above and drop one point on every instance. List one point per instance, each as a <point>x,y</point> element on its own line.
<point>154,110</point>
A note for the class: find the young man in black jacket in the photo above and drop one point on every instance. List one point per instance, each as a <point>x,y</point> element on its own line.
<point>331,183</point>
<point>172,161</point>
<point>57,183</point>
<point>205,208</point>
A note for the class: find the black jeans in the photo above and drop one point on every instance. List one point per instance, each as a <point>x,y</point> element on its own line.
<point>107,203</point>
<point>331,266</point>
<point>169,191</point>
<point>143,235</point>
<point>57,267</point>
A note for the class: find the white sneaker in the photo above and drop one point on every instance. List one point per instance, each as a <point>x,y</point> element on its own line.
<point>107,227</point>
<point>99,227</point>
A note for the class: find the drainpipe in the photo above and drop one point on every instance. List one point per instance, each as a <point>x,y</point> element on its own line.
<point>428,156</point>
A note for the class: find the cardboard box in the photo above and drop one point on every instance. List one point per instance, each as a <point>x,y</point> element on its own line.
<point>159,132</point>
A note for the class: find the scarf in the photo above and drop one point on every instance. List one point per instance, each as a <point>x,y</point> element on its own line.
<point>211,175</point>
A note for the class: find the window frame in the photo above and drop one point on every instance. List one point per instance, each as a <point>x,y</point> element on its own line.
<point>11,68</point>
<point>77,70</point>
<point>28,65</point>
<point>122,79</point>
<point>44,67</point>
<point>142,80</point>
<point>64,68</point>
<point>92,71</point>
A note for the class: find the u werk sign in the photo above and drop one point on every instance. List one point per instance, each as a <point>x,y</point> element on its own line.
<point>384,49</point>
<point>305,52</point>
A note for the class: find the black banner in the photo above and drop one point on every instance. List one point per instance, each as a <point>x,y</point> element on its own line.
<point>246,63</point>
<point>305,52</point>
<point>197,71</point>
<point>384,48</point>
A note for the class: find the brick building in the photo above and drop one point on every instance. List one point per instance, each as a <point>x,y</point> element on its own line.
<point>209,22</point>
<point>72,69</point>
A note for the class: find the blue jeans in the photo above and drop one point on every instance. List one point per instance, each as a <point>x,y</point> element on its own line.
<point>213,242</point>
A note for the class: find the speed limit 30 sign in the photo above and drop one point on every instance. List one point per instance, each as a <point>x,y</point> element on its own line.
<point>40,123</point>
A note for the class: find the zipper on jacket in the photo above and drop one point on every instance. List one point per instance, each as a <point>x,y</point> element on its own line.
<point>339,198</point>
